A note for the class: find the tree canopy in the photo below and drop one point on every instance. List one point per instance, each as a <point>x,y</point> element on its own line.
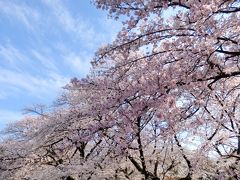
<point>162,101</point>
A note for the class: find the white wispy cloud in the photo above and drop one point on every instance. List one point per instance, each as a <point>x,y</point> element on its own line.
<point>75,25</point>
<point>79,63</point>
<point>17,59</point>
<point>7,116</point>
<point>35,85</point>
<point>45,61</point>
<point>11,55</point>
<point>21,12</point>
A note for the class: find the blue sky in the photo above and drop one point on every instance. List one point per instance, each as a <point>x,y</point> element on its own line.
<point>43,44</point>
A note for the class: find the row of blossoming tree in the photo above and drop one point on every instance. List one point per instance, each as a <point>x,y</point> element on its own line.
<point>161,102</point>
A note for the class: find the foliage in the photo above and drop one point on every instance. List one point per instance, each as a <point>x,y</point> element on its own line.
<point>161,102</point>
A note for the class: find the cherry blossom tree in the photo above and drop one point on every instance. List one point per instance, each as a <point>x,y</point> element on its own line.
<point>161,101</point>
<point>190,60</point>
